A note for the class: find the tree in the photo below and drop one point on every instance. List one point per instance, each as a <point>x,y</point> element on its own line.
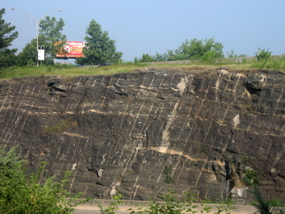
<point>196,49</point>
<point>29,54</point>
<point>147,58</point>
<point>100,48</point>
<point>205,50</point>
<point>7,35</point>
<point>160,57</point>
<point>50,37</point>
<point>171,56</point>
<point>54,40</point>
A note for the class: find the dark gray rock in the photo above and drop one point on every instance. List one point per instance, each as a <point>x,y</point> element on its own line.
<point>190,130</point>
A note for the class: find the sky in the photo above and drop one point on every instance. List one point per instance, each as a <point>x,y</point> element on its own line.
<point>155,26</point>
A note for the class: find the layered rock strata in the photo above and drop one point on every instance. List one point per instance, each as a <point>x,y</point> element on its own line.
<point>144,132</point>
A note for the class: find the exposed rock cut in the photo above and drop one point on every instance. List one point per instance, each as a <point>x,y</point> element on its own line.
<point>144,132</point>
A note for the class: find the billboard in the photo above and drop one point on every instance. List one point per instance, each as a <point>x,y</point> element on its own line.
<point>73,49</point>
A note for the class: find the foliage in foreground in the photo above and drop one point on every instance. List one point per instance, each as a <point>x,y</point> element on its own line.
<point>272,206</point>
<point>114,206</point>
<point>170,205</point>
<point>21,194</point>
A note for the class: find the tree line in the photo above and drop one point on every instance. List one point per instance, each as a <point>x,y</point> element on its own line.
<point>101,48</point>
<point>204,50</point>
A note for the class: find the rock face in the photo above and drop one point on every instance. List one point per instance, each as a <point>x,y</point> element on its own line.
<point>141,133</point>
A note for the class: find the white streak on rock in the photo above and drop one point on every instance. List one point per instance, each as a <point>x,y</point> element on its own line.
<point>104,159</point>
<point>74,166</point>
<point>236,120</point>
<point>113,192</point>
<point>182,85</point>
<point>165,135</point>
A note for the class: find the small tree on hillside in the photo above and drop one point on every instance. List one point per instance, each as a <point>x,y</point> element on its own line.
<point>51,30</point>
<point>7,35</point>
<point>100,48</point>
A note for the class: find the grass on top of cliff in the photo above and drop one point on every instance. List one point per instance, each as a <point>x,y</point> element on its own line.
<point>67,70</point>
<point>277,63</point>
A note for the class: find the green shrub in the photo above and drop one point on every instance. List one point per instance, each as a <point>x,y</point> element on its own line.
<point>250,177</point>
<point>168,171</point>
<point>27,194</point>
<point>170,205</point>
<point>263,54</point>
<point>275,202</point>
<point>261,205</point>
<point>267,207</point>
<point>113,207</point>
<point>209,56</point>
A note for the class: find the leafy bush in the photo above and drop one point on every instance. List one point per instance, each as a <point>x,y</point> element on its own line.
<point>209,56</point>
<point>146,58</point>
<point>22,194</point>
<point>263,54</point>
<point>195,49</point>
<point>168,171</point>
<point>267,207</point>
<point>170,205</point>
<point>205,50</point>
<point>113,207</point>
<point>250,177</point>
<point>7,59</point>
<point>261,205</point>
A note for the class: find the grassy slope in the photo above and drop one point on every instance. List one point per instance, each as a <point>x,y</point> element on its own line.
<point>67,70</point>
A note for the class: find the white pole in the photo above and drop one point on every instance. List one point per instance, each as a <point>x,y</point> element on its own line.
<point>37,36</point>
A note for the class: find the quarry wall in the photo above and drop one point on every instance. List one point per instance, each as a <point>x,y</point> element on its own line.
<point>141,133</point>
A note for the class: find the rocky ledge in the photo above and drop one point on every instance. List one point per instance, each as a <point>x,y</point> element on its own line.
<point>142,133</point>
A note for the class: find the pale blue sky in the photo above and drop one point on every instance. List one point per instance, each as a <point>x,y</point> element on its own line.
<point>150,26</point>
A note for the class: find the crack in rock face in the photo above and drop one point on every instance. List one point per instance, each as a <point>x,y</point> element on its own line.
<point>142,133</point>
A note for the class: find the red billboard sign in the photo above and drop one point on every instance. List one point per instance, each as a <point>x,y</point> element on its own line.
<point>73,49</point>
